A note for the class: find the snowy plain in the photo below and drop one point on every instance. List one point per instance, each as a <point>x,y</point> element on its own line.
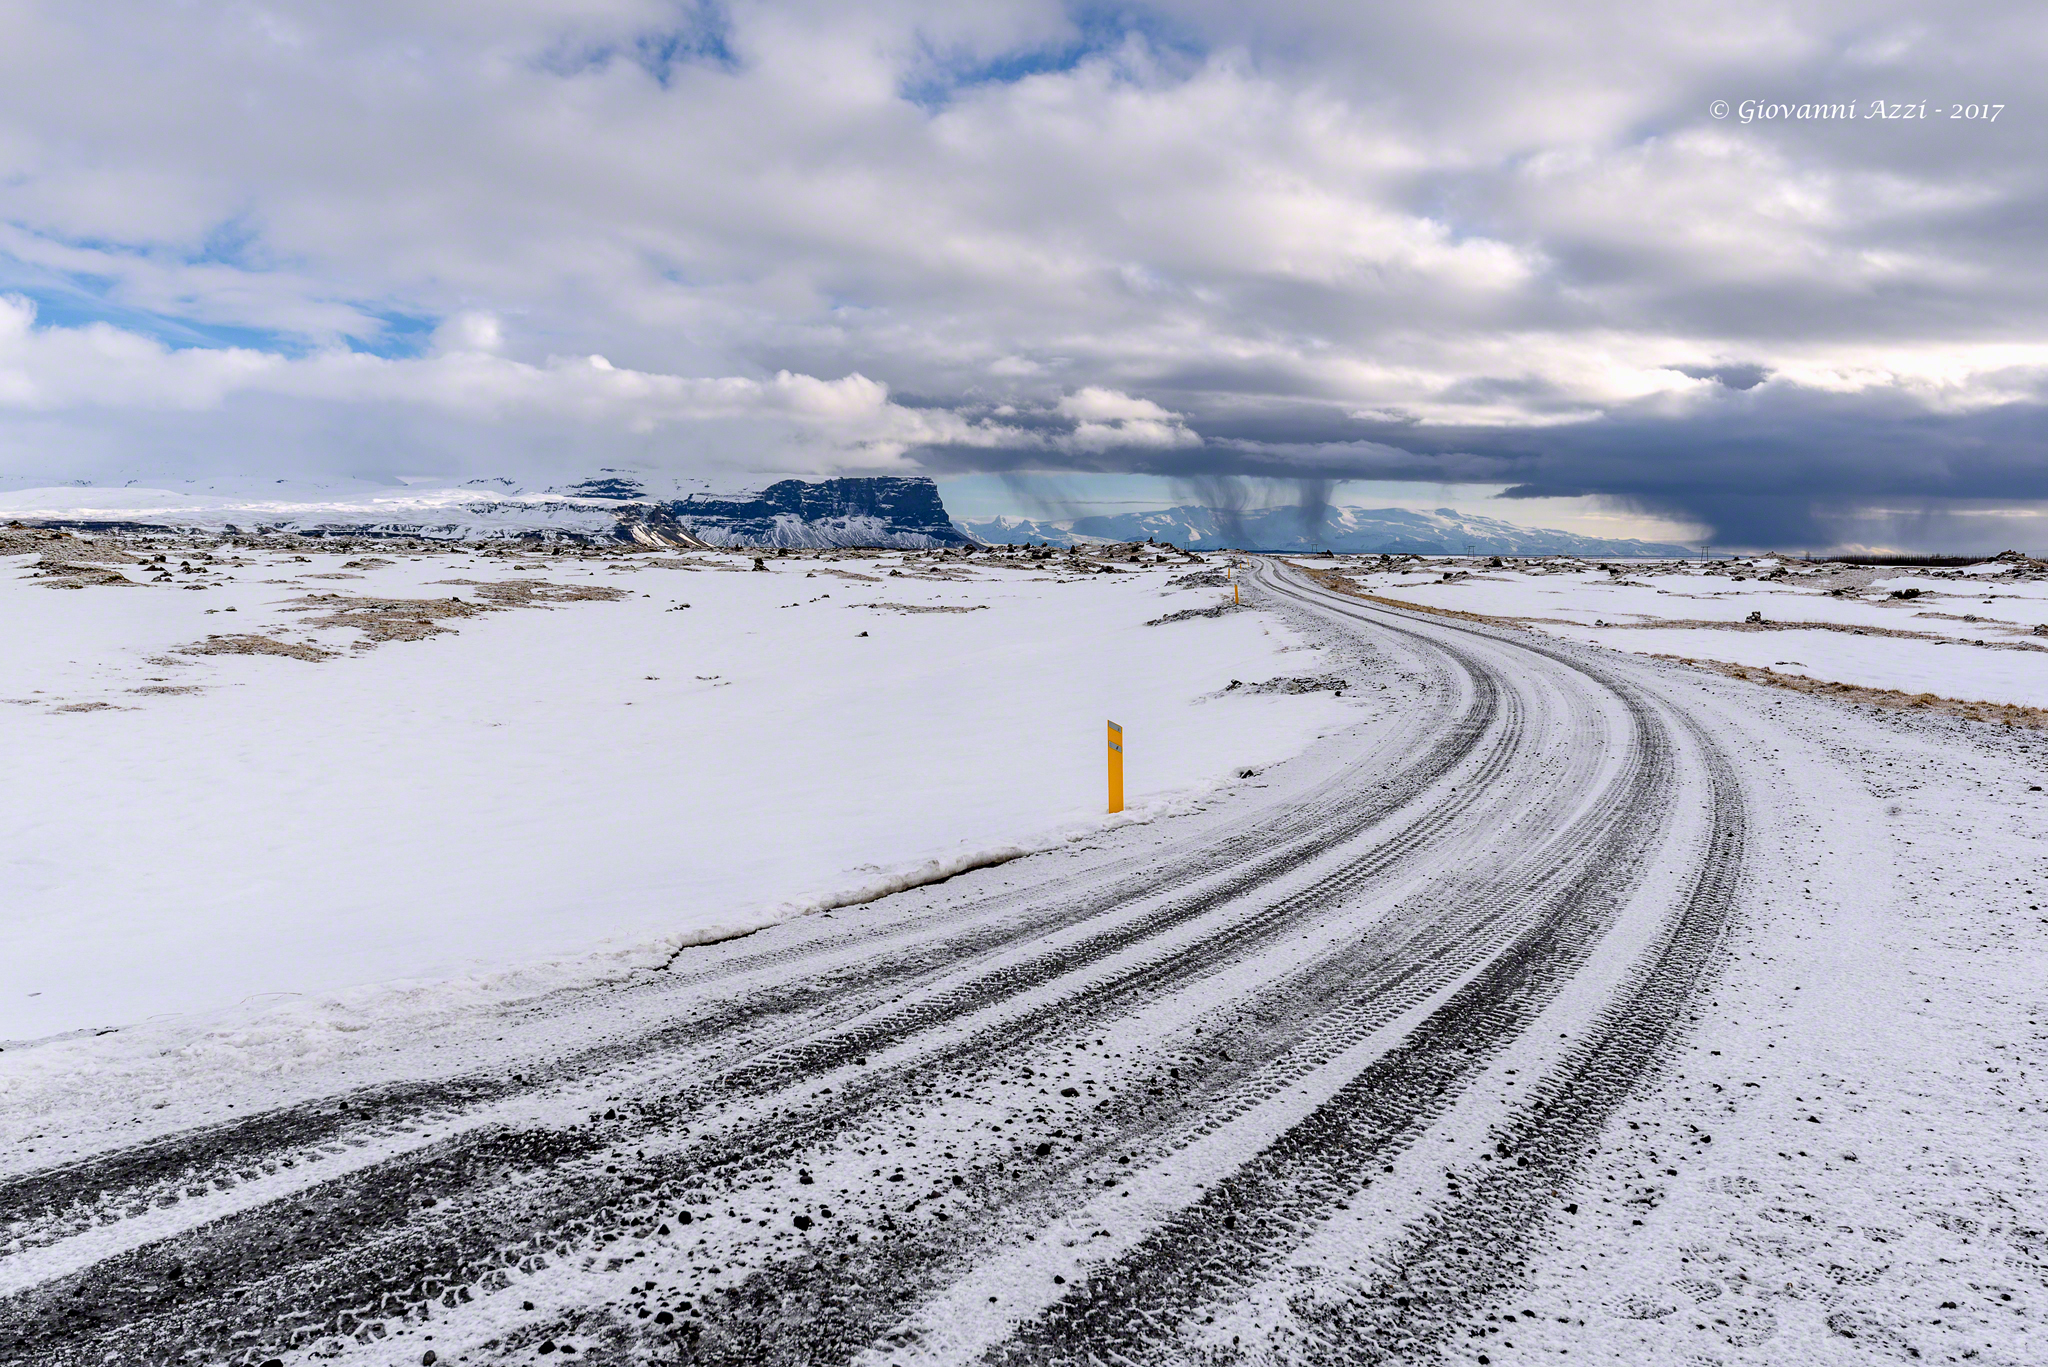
<point>1964,633</point>
<point>1841,1161</point>
<point>544,793</point>
<point>1838,1162</point>
<point>476,511</point>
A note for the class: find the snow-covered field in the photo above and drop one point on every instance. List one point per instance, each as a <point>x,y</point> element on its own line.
<point>480,510</point>
<point>1966,634</point>
<point>581,778</point>
<point>1545,1003</point>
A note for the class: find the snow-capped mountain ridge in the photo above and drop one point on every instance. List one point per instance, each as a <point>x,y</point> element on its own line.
<point>613,505</point>
<point>903,512</point>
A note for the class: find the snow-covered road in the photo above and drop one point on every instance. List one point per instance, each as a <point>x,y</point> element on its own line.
<point>1356,1064</point>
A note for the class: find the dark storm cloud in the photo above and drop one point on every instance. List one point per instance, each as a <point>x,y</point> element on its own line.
<point>1763,466</point>
<point>1733,376</point>
<point>1798,469</point>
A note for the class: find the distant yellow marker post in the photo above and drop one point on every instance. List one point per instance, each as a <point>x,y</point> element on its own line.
<point>1116,767</point>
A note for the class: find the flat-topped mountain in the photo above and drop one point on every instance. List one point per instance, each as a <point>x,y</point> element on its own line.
<point>885,510</point>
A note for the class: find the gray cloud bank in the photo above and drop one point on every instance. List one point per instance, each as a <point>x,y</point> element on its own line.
<point>1492,243</point>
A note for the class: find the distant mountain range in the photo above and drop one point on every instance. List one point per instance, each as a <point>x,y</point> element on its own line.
<point>1375,531</point>
<point>1024,531</point>
<point>901,512</point>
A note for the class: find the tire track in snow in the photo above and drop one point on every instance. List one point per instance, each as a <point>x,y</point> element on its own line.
<point>391,1195</point>
<point>1468,1248</point>
<point>355,1254</point>
<point>43,1207</point>
<point>1474,1252</point>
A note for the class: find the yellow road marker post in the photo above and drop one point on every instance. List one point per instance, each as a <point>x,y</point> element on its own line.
<point>1116,767</point>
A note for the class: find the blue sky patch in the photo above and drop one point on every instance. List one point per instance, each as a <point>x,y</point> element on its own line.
<point>702,36</point>
<point>1097,30</point>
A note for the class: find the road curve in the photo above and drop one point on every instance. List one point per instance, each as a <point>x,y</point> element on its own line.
<point>1160,1099</point>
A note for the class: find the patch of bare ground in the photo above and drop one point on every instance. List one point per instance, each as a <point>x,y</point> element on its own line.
<point>416,619</point>
<point>64,546</point>
<point>849,574</point>
<point>1317,683</point>
<point>247,645</point>
<point>168,688</point>
<point>78,551</point>
<point>537,593</point>
<point>1190,614</point>
<point>386,619</point>
<point>89,707</point>
<point>920,607</point>
<point>69,562</point>
<point>2009,714</point>
<point>60,575</point>
<point>1201,579</point>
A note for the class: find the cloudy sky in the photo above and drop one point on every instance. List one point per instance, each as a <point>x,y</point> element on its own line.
<point>1497,250</point>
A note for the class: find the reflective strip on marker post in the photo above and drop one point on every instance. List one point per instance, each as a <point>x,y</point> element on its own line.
<point>1116,767</point>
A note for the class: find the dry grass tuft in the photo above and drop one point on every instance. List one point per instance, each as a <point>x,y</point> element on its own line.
<point>61,576</point>
<point>386,619</point>
<point>62,547</point>
<point>416,619</point>
<point>247,645</point>
<point>1335,580</point>
<point>919,607</point>
<point>64,561</point>
<point>2007,714</point>
<point>537,593</point>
